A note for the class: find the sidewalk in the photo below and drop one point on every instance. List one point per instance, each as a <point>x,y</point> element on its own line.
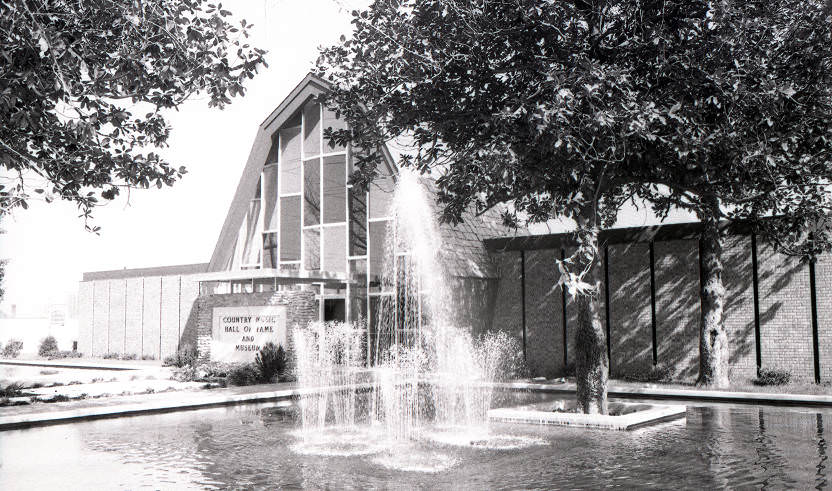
<point>117,406</point>
<point>659,392</point>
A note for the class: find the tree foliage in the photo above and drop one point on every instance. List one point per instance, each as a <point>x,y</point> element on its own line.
<point>83,86</point>
<point>541,103</point>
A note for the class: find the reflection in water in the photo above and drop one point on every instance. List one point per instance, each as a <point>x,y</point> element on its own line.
<point>820,479</point>
<point>248,447</point>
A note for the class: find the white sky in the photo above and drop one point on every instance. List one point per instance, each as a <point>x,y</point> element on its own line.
<point>47,245</point>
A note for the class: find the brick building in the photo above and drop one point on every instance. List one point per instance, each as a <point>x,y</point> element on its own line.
<point>298,237</point>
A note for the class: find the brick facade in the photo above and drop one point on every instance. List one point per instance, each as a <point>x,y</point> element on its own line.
<point>301,309</point>
<point>784,308</point>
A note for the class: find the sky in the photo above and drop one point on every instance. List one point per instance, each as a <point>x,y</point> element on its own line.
<point>49,249</point>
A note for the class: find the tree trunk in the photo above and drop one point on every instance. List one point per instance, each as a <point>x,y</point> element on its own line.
<point>591,363</point>
<point>713,340</point>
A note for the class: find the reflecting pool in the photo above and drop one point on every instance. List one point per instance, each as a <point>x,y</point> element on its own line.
<point>258,446</point>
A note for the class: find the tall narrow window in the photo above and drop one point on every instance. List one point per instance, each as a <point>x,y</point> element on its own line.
<point>335,249</point>
<point>335,189</point>
<point>312,130</point>
<point>270,197</point>
<point>312,248</point>
<point>312,192</point>
<point>270,251</point>
<point>290,228</point>
<point>358,222</point>
<point>330,121</point>
<point>290,160</point>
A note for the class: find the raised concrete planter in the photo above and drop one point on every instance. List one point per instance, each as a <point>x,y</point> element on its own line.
<point>631,416</point>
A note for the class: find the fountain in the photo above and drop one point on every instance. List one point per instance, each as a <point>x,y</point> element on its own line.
<point>430,379</point>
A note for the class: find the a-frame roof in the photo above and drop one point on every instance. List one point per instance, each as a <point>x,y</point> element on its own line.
<point>311,86</point>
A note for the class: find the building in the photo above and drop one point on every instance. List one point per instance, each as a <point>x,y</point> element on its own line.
<point>300,244</point>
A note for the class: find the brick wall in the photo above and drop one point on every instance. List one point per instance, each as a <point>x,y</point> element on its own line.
<point>823,282</point>
<point>784,303</point>
<point>507,306</point>
<point>785,315</point>
<point>302,308</point>
<point>677,306</point>
<point>544,338</point>
<point>631,334</point>
<point>738,311</point>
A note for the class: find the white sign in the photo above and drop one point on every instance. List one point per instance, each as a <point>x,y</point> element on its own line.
<point>238,333</point>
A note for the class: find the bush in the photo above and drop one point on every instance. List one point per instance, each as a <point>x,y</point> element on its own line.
<point>128,356</point>
<point>187,356</point>
<point>148,357</point>
<point>110,356</point>
<point>270,362</point>
<point>48,346</point>
<point>772,376</point>
<point>244,374</point>
<point>655,373</point>
<point>65,354</point>
<point>14,389</point>
<point>12,348</point>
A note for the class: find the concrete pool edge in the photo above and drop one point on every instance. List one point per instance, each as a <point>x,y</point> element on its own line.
<point>653,414</point>
<point>177,401</point>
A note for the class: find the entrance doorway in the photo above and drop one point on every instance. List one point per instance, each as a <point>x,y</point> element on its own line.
<point>335,309</point>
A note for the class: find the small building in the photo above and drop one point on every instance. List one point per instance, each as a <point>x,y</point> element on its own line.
<point>299,243</point>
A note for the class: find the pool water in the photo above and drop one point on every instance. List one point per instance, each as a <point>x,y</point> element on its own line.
<point>260,446</point>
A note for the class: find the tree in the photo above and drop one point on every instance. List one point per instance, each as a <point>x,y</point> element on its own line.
<point>749,137</point>
<point>562,109</point>
<point>71,67</point>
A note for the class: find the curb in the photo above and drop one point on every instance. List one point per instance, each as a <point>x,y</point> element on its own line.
<point>683,394</point>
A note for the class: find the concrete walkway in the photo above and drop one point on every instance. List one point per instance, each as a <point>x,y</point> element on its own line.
<point>117,406</point>
<point>682,394</point>
<point>112,407</point>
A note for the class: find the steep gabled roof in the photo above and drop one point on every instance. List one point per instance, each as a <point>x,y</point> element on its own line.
<point>465,253</point>
<point>311,86</point>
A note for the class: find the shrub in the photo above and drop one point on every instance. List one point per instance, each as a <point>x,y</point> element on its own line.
<point>110,356</point>
<point>148,357</point>
<point>65,354</point>
<point>187,356</point>
<point>48,346</point>
<point>14,389</point>
<point>244,374</point>
<point>12,348</point>
<point>128,356</point>
<point>772,376</point>
<point>655,373</point>
<point>270,362</point>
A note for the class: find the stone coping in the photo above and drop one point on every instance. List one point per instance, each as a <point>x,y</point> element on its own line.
<point>81,364</point>
<point>653,414</point>
<point>165,402</point>
<point>682,394</point>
